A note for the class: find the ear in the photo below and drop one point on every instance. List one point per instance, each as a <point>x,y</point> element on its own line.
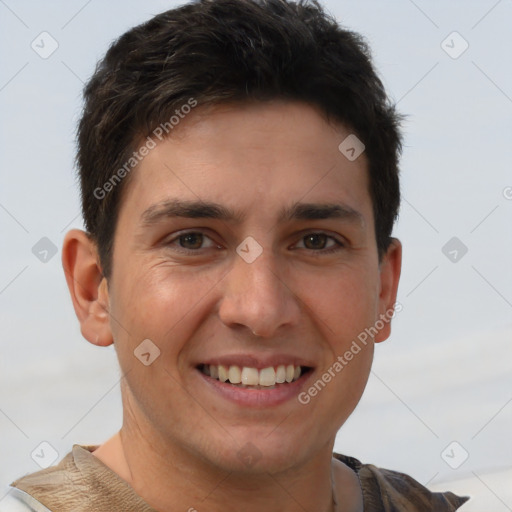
<point>88,287</point>
<point>390,268</point>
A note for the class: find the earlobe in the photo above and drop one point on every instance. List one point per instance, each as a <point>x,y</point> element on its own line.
<point>87,286</point>
<point>390,269</point>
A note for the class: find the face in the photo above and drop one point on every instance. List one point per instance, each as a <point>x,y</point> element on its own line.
<point>246,241</point>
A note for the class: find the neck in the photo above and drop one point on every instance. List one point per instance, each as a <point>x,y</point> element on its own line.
<point>197,485</point>
<point>171,476</point>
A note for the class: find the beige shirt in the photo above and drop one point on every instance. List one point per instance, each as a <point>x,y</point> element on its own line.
<point>82,483</point>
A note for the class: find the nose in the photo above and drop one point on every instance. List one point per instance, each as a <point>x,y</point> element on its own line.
<point>259,297</point>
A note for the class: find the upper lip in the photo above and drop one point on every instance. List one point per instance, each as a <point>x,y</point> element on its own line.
<point>257,361</point>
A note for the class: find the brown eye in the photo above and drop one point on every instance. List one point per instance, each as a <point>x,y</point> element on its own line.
<point>315,241</point>
<point>320,244</point>
<point>191,240</point>
<point>193,243</point>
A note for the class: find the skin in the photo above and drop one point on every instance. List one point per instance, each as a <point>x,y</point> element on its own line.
<point>300,300</point>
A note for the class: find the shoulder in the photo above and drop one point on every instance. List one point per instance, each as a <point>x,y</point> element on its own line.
<point>42,490</point>
<point>392,491</point>
<point>79,482</point>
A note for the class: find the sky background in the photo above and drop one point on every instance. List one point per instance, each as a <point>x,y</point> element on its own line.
<point>445,374</point>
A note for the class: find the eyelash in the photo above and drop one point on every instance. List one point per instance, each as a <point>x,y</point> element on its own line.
<point>318,252</point>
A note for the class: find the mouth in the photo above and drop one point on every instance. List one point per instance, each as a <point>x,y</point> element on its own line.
<point>270,377</point>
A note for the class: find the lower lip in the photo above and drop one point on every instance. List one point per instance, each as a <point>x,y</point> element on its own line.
<point>257,397</point>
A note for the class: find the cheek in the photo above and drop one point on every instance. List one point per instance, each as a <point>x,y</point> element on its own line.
<point>350,305</point>
<point>161,306</point>
<point>345,301</point>
<point>164,304</point>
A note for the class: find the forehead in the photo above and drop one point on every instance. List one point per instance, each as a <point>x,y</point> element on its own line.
<point>258,158</point>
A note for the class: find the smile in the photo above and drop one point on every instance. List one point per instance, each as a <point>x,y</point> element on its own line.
<point>266,378</point>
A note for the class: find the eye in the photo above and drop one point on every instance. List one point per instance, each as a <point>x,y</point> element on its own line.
<point>196,241</point>
<point>317,242</point>
<point>191,241</point>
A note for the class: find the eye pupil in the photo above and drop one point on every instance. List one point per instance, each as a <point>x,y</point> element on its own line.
<point>318,240</point>
<point>194,240</point>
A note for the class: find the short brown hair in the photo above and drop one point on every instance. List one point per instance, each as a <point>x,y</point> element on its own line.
<point>218,51</point>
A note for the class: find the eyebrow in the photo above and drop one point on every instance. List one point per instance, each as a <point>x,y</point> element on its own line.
<point>209,210</point>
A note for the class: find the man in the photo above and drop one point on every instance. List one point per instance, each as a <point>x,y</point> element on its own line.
<point>239,175</point>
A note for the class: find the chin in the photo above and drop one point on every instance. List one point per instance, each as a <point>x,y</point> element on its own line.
<point>261,455</point>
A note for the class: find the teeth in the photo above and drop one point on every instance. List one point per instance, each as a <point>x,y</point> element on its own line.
<point>247,376</point>
<point>250,376</point>
<point>234,375</point>
<point>290,371</point>
<point>223,373</point>
<point>281,374</point>
<point>268,376</point>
